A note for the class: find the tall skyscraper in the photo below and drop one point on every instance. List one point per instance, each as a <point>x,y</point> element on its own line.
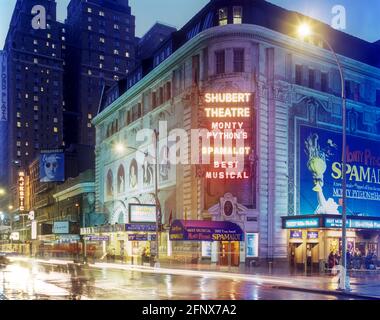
<point>35,75</point>
<point>101,50</point>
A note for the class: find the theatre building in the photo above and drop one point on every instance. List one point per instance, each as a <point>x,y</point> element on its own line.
<point>254,113</point>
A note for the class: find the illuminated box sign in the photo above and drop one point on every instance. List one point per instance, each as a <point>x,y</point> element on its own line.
<point>61,227</point>
<point>144,213</point>
<point>15,236</point>
<point>34,230</point>
<point>312,235</point>
<point>228,117</point>
<point>295,234</point>
<point>302,223</point>
<point>140,227</point>
<point>21,190</point>
<point>201,230</point>
<point>141,237</point>
<point>97,238</point>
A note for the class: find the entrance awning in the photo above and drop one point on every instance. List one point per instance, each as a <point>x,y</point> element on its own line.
<point>203,230</point>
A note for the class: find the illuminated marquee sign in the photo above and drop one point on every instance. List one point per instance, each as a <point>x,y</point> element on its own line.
<point>302,223</point>
<point>351,223</point>
<point>21,190</point>
<point>228,117</point>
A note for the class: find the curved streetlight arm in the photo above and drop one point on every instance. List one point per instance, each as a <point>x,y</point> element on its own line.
<point>342,284</point>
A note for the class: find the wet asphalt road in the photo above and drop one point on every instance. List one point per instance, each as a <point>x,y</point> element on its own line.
<point>22,280</point>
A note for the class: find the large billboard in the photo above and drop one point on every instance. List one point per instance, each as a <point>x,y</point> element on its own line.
<point>320,172</point>
<point>52,166</point>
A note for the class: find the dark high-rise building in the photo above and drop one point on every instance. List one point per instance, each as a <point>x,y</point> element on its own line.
<point>35,76</point>
<point>101,50</point>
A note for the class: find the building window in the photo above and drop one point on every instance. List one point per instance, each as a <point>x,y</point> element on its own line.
<point>238,60</point>
<point>347,86</point>
<point>89,28</point>
<point>154,100</point>
<point>298,74</point>
<point>55,129</point>
<point>89,10</point>
<point>195,69</point>
<point>35,41</point>
<point>116,26</point>
<point>223,16</point>
<point>238,15</point>
<point>168,91</point>
<point>35,60</point>
<point>127,54</point>
<point>102,40</point>
<point>49,35</point>
<point>324,82</point>
<point>220,61</point>
<point>18,124</point>
<point>101,57</point>
<point>311,78</point>
<point>101,13</point>
<point>35,108</point>
<point>116,51</point>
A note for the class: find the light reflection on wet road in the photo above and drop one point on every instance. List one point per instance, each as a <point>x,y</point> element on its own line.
<point>26,280</point>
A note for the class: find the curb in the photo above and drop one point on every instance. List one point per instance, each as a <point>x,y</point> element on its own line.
<point>328,292</point>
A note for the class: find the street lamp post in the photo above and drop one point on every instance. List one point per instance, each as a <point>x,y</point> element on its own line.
<point>344,284</point>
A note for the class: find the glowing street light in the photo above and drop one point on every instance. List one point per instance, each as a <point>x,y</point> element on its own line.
<point>119,148</point>
<point>2,192</point>
<point>304,30</point>
<point>10,207</point>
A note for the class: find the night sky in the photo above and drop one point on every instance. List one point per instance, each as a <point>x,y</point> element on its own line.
<point>362,16</point>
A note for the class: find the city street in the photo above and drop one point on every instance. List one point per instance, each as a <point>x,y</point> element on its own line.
<point>30,279</point>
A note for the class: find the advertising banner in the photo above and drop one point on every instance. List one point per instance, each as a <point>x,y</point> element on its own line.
<point>52,166</point>
<point>320,171</point>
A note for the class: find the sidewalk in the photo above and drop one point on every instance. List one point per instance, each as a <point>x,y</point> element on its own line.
<point>364,286</point>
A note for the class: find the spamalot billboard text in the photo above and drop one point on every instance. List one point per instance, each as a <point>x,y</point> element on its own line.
<point>321,173</point>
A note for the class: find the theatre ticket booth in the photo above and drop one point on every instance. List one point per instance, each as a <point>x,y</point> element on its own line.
<point>311,238</point>
<point>225,238</point>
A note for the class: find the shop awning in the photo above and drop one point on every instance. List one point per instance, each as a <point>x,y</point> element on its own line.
<point>204,230</point>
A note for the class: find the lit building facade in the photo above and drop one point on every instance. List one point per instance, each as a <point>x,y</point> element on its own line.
<point>281,91</point>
